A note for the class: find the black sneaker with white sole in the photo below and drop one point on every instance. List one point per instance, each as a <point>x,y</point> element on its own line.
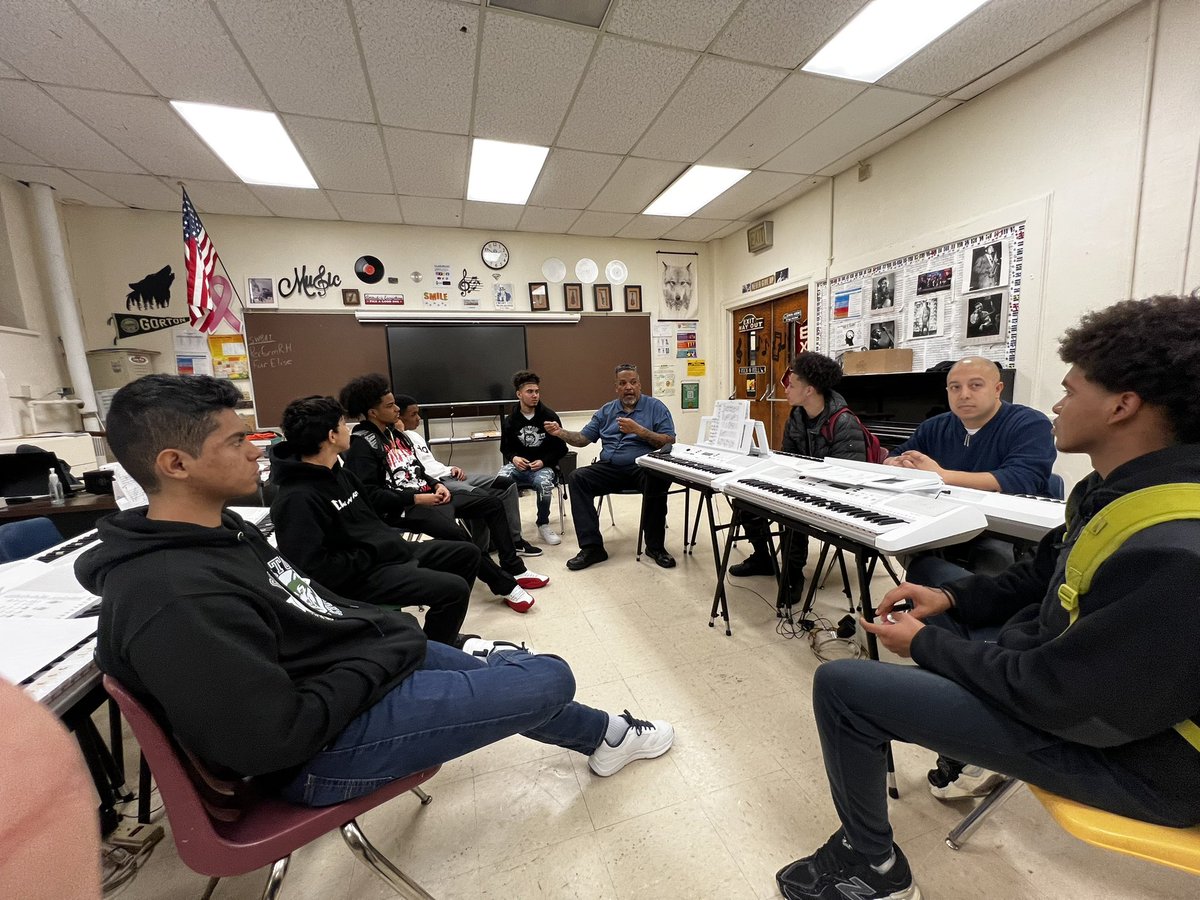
<point>837,872</point>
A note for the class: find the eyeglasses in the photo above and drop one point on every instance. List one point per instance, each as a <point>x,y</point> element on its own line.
<point>786,378</point>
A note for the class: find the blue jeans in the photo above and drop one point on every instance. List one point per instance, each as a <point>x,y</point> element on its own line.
<point>542,481</point>
<point>452,705</point>
<point>860,705</point>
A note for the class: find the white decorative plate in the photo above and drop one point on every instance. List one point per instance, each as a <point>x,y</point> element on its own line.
<point>616,271</point>
<point>554,269</point>
<point>586,270</point>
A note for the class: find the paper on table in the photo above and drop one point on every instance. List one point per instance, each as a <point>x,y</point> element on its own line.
<point>29,645</point>
<point>127,492</point>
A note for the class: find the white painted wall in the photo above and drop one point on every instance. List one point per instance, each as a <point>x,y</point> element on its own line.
<point>1096,148</point>
<point>110,248</point>
<point>32,355</point>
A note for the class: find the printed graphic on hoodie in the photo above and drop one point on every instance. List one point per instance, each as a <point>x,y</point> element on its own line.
<point>300,595</point>
<point>531,436</point>
<point>404,470</point>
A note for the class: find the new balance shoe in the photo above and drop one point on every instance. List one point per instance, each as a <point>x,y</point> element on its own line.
<point>953,780</point>
<point>549,535</point>
<point>519,599</point>
<point>483,649</point>
<point>531,580</point>
<point>524,548</point>
<point>642,740</point>
<point>837,870</point>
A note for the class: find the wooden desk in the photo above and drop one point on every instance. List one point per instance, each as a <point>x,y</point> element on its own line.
<point>77,514</point>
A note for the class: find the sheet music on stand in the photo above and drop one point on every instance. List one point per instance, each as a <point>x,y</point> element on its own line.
<point>731,428</point>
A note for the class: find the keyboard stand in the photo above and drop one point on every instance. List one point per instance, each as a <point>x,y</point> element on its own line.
<point>865,560</point>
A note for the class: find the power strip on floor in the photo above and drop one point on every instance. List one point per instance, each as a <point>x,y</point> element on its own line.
<point>135,836</point>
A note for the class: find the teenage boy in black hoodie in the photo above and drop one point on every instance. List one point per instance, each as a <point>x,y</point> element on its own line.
<point>1096,707</point>
<point>325,523</point>
<point>530,454</point>
<point>262,673</point>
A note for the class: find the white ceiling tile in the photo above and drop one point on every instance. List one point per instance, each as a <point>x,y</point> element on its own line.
<point>548,221</point>
<point>148,130</point>
<point>431,211</point>
<point>426,164</point>
<point>342,156</point>
<point>49,42</point>
<point>179,46</point>
<point>421,65</point>
<point>785,198</point>
<point>649,227</point>
<point>867,115</point>
<point>224,197</point>
<point>889,137</point>
<point>635,184</point>
<point>731,228</point>
<point>600,224</point>
<point>715,97</point>
<point>625,87</point>
<point>40,125</point>
<point>66,186</point>
<point>141,191</point>
<point>989,37</point>
<point>783,32</point>
<point>679,23</point>
<point>750,193</point>
<point>502,216</point>
<point>696,229</point>
<point>365,207</point>
<point>12,153</point>
<point>570,179</point>
<point>523,97</point>
<point>799,103</point>
<point>1048,47</point>
<point>330,82</point>
<point>295,203</point>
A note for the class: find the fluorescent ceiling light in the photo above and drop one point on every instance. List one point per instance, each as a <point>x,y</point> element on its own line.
<point>251,142</point>
<point>884,34</point>
<point>502,172</point>
<point>693,189</point>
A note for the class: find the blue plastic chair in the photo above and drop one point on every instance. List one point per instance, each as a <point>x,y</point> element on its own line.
<point>20,540</point>
<point>1057,487</point>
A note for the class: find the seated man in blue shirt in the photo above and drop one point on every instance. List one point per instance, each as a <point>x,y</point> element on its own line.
<point>628,427</point>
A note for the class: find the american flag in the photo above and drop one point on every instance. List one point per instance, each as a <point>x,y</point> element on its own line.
<point>200,256</point>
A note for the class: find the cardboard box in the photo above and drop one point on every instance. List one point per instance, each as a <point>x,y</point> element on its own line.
<point>877,361</point>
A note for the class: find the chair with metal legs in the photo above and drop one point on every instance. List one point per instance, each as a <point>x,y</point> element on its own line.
<point>219,835</point>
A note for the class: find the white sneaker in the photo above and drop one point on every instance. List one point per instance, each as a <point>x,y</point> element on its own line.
<point>549,535</point>
<point>643,740</point>
<point>531,580</point>
<point>971,781</point>
<point>483,648</point>
<point>519,599</point>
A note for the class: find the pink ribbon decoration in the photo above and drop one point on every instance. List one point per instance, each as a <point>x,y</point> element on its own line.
<point>222,294</point>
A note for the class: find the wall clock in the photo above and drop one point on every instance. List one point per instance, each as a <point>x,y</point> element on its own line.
<point>494,255</point>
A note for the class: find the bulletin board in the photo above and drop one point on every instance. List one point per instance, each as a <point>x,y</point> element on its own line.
<point>960,299</point>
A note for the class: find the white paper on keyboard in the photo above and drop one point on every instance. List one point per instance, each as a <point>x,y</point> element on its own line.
<point>252,514</point>
<point>29,645</point>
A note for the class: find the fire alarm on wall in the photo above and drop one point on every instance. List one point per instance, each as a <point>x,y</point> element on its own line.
<point>760,237</point>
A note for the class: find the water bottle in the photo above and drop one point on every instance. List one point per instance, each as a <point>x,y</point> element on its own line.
<point>56,490</point>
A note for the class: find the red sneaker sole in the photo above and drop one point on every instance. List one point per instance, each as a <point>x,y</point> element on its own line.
<point>532,584</point>
<point>519,607</point>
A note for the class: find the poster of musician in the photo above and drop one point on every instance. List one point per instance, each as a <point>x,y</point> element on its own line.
<point>988,267</point>
<point>984,319</point>
<point>883,335</point>
<point>883,291</point>
<point>925,317</point>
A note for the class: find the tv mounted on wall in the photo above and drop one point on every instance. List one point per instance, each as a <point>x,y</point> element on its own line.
<point>455,363</point>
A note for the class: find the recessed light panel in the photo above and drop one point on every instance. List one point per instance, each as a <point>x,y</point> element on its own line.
<point>251,142</point>
<point>693,189</point>
<point>502,172</point>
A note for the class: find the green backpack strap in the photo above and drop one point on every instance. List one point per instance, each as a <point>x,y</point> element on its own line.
<point>1109,529</point>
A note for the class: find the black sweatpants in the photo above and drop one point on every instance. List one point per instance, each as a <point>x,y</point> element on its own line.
<point>439,577</point>
<point>439,522</point>
<point>590,482</point>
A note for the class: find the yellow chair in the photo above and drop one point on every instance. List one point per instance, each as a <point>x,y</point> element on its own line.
<point>1178,848</point>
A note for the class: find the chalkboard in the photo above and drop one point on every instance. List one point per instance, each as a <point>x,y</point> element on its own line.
<point>296,354</point>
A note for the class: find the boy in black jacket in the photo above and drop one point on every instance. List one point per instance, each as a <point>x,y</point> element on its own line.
<point>1096,704</point>
<point>325,523</point>
<point>261,672</point>
<point>530,454</point>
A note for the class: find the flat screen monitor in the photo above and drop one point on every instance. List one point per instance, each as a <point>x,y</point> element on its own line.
<point>26,475</point>
<point>455,363</point>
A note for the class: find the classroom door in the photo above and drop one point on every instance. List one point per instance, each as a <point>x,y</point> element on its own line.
<point>766,337</point>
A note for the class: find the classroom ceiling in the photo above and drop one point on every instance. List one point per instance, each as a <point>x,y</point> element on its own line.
<point>382,98</point>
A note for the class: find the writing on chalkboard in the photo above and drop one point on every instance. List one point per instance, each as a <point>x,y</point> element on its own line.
<point>268,353</point>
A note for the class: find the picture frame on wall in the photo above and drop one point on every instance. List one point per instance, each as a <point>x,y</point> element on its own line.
<point>924,318</point>
<point>351,297</point>
<point>988,267</point>
<point>573,296</point>
<point>985,319</point>
<point>633,298</point>
<point>602,297</point>
<point>260,293</point>
<point>539,296</point>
